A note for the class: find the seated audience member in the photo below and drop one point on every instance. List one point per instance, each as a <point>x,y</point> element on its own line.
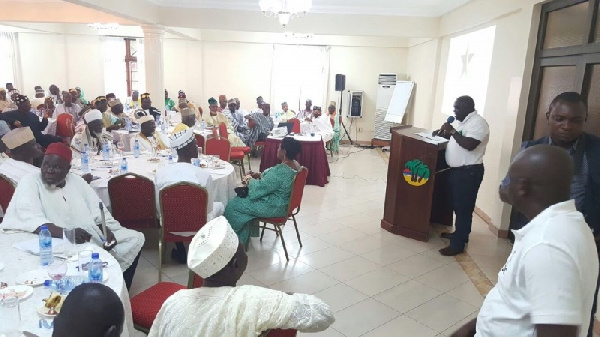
<point>79,97</point>
<point>286,113</point>
<point>268,192</point>
<point>188,117</point>
<point>183,171</point>
<point>306,113</point>
<point>335,120</point>
<point>4,102</point>
<point>93,135</point>
<point>109,120</point>
<point>236,117</point>
<point>566,117</point>
<point>68,107</point>
<point>259,103</point>
<point>24,117</point>
<point>63,200</point>
<point>4,129</point>
<point>238,107</point>
<point>146,104</point>
<point>215,118</point>
<point>39,98</point>
<point>54,94</point>
<point>222,103</point>
<point>148,138</point>
<point>259,124</point>
<point>169,103</point>
<point>13,94</point>
<point>23,150</point>
<point>220,308</point>
<point>318,124</point>
<point>547,284</point>
<point>90,310</point>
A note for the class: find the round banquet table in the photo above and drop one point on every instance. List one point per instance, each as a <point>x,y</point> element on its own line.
<point>222,189</point>
<point>17,262</point>
<point>313,157</point>
<point>126,136</point>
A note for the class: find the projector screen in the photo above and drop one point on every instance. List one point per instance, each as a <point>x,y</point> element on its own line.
<point>468,68</point>
<point>399,102</point>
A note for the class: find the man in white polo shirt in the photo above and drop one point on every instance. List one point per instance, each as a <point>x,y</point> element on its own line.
<point>464,155</point>
<point>547,285</point>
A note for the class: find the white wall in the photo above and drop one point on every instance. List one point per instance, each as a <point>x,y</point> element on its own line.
<point>422,69</point>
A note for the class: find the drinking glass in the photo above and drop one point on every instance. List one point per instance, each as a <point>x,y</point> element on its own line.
<point>121,147</point>
<point>200,152</point>
<point>69,235</point>
<point>85,256</point>
<point>11,315</point>
<point>57,270</point>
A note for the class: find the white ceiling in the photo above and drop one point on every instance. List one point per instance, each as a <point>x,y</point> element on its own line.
<point>420,8</point>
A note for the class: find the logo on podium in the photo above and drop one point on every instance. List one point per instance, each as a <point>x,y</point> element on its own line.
<point>416,173</point>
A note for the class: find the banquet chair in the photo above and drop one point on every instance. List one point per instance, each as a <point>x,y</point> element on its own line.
<point>64,126</point>
<point>133,201</point>
<point>237,152</point>
<point>7,189</point>
<point>293,209</point>
<point>223,131</point>
<point>200,141</point>
<point>218,147</point>
<point>296,127</point>
<point>281,333</point>
<point>183,208</point>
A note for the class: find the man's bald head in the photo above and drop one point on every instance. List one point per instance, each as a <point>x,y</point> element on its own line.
<point>91,309</point>
<point>540,177</point>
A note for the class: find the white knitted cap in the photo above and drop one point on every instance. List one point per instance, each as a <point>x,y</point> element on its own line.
<point>92,115</point>
<point>17,137</point>
<point>212,247</point>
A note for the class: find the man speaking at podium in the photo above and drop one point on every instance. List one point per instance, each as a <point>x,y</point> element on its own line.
<point>464,155</point>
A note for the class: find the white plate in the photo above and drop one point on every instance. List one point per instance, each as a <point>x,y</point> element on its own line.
<point>44,312</point>
<point>33,278</point>
<point>22,291</point>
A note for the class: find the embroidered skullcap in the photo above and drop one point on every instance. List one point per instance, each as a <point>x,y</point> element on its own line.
<point>284,103</point>
<point>17,137</point>
<point>38,89</point>
<point>145,95</point>
<point>4,128</point>
<point>21,99</point>
<point>232,100</point>
<point>179,127</point>
<point>114,102</point>
<point>212,101</point>
<point>333,104</point>
<point>140,113</point>
<point>212,248</point>
<point>92,115</point>
<point>317,108</point>
<point>111,96</point>
<point>181,139</point>
<point>181,94</point>
<point>186,112</point>
<point>145,119</point>
<point>73,90</point>
<point>60,150</point>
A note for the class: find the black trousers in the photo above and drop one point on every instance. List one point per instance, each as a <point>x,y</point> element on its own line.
<point>130,272</point>
<point>464,185</point>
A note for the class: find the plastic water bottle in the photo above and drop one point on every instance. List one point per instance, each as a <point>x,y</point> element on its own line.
<point>45,246</point>
<point>136,149</point>
<point>128,124</point>
<point>170,159</point>
<point>95,269</point>
<point>124,166</point>
<point>85,162</point>
<point>163,127</point>
<point>86,148</point>
<point>105,151</point>
<point>202,126</point>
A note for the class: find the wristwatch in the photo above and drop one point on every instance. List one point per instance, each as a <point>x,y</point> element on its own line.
<point>452,132</point>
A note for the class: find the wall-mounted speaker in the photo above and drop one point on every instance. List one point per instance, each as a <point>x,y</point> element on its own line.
<point>340,82</point>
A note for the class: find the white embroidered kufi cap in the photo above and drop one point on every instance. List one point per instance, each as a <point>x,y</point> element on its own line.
<point>17,137</point>
<point>212,248</point>
<point>187,112</point>
<point>182,138</point>
<point>92,115</point>
<point>145,119</point>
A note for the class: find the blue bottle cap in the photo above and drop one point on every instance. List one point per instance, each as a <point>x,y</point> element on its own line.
<point>47,283</point>
<point>95,255</point>
<point>43,227</point>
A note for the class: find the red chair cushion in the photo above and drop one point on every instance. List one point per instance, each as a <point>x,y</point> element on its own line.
<point>236,155</point>
<point>244,149</point>
<point>146,305</point>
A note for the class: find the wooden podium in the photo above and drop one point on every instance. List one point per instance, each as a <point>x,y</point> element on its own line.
<point>417,192</point>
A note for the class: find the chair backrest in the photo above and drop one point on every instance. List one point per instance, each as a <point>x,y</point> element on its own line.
<point>133,201</point>
<point>282,333</point>
<point>296,127</point>
<point>223,130</point>
<point>200,111</point>
<point>218,147</point>
<point>200,141</point>
<point>298,189</point>
<point>183,207</point>
<point>195,281</point>
<point>7,189</point>
<point>64,125</point>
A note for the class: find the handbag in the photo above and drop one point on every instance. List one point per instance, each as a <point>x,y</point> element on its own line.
<point>242,192</point>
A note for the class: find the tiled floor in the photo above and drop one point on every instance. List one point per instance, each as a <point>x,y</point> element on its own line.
<point>377,283</point>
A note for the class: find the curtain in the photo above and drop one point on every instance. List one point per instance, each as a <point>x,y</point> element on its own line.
<point>140,83</point>
<point>8,59</point>
<point>115,71</point>
<point>299,73</point>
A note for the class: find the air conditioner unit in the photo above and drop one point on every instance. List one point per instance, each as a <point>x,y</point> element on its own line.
<point>387,84</point>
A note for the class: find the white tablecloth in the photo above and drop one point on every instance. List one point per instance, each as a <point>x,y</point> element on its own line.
<point>224,180</point>
<point>125,136</point>
<point>51,128</point>
<point>307,128</point>
<point>17,262</point>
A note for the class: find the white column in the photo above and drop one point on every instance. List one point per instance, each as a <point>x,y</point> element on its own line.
<point>153,53</point>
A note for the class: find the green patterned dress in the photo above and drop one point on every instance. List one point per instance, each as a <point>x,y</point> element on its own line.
<point>267,197</point>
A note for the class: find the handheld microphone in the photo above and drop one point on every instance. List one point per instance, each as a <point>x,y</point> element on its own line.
<point>449,121</point>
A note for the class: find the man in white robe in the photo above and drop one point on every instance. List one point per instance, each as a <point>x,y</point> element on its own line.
<point>219,308</point>
<point>68,107</point>
<point>148,138</point>
<point>63,200</point>
<point>93,134</point>
<point>183,171</point>
<point>215,118</point>
<point>4,129</point>
<point>23,149</point>
<point>318,124</point>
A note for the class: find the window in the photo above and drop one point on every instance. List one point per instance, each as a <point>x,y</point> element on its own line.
<point>299,73</point>
<point>113,49</point>
<point>7,58</point>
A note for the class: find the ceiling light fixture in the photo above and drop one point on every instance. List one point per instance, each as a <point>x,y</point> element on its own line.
<point>103,26</point>
<point>285,10</point>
